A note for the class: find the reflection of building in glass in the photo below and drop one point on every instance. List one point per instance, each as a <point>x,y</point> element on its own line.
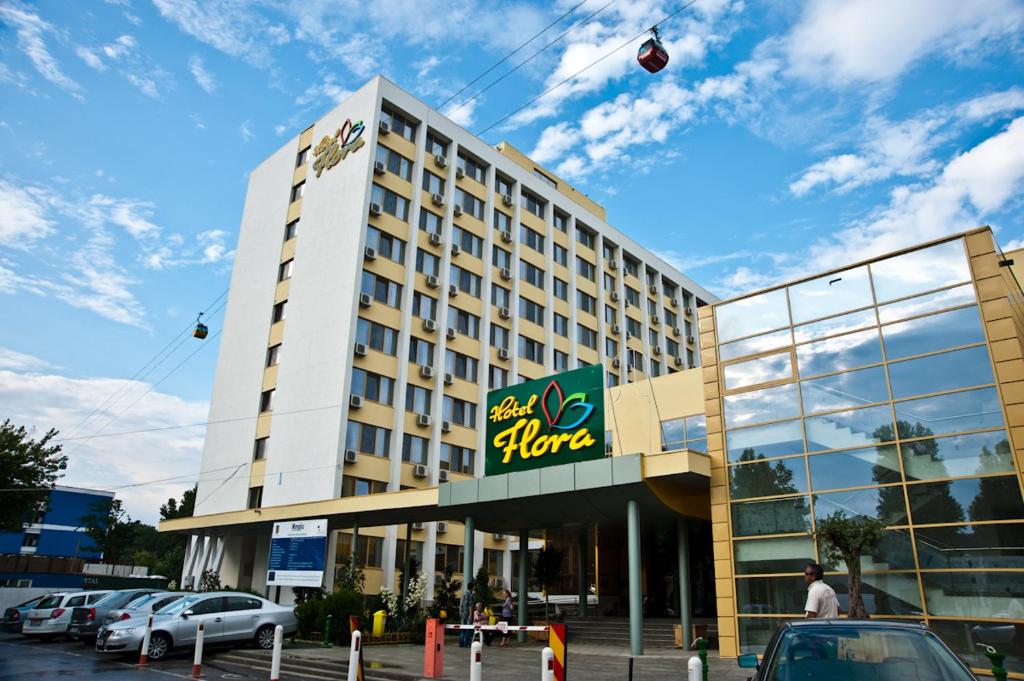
<point>889,389</point>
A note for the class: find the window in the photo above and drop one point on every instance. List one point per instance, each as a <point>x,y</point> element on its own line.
<point>612,380</point>
<point>466,323</point>
<point>611,347</point>
<point>586,302</point>
<point>561,255</point>
<point>635,359</point>
<point>267,400</point>
<point>284,270</point>
<point>399,123</point>
<point>499,336</point>
<point>471,167</point>
<point>608,250</point>
<point>382,290</point>
<point>631,266</point>
<point>432,183</point>
<point>531,311</point>
<point>427,263</point>
<point>561,361</point>
<point>672,435</point>
<point>671,348</point>
<point>460,412</point>
<point>669,287</point>
<point>610,314</point>
<point>469,203</point>
<point>531,350</point>
<point>255,497</point>
<point>671,319</point>
<point>561,289</point>
<point>531,203</point>
<point>655,368</point>
<point>291,229</point>
<point>586,269</point>
<point>372,440</point>
<point>395,162</point>
<point>302,157</point>
<point>652,336</point>
<point>417,399</point>
<point>586,336</point>
<point>529,237</point>
<point>547,180</point>
<point>469,242</point>
<point>632,297</point>
<point>360,487</point>
<point>561,325</point>
<point>498,378</point>
<point>372,387</point>
<point>298,191</point>
<point>501,258</point>
<point>585,236</point>
<point>633,328</point>
<point>387,246</point>
<point>652,307</point>
<point>236,603</point>
<point>502,222</point>
<point>466,281</point>
<point>421,351</point>
<point>435,145</point>
<point>531,274</point>
<point>652,277</point>
<point>503,185</point>
<point>500,295</point>
<point>415,449</point>
<point>430,222</point>
<point>456,459</point>
<point>461,366</point>
<point>609,282</point>
<point>278,314</point>
<point>273,355</point>
<point>377,336</point>
<point>561,221</point>
<point>423,306</point>
<point>390,202</point>
<point>259,449</point>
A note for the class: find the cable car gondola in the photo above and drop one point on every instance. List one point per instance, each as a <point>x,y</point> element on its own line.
<point>652,54</point>
<point>201,329</point>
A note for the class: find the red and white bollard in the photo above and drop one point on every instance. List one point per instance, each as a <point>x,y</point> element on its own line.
<point>547,664</point>
<point>694,669</point>
<point>353,656</point>
<point>275,661</point>
<point>475,661</point>
<point>144,651</point>
<point>197,660</point>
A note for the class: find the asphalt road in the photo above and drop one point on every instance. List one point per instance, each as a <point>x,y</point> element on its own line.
<point>22,659</point>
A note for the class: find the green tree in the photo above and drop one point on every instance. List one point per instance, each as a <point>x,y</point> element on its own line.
<point>760,478</point>
<point>183,509</point>
<point>482,592</point>
<point>547,572</point>
<point>111,531</point>
<point>848,538</point>
<point>446,595</point>
<point>28,470</point>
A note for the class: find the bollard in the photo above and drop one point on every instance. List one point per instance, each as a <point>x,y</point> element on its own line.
<point>475,663</point>
<point>144,650</point>
<point>275,661</point>
<point>630,668</point>
<point>702,653</point>
<point>326,643</point>
<point>353,656</point>
<point>693,669</point>
<point>996,658</point>
<point>197,660</point>
<point>547,664</point>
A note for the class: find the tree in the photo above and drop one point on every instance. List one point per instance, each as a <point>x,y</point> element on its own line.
<point>446,595</point>
<point>482,592</point>
<point>28,470</point>
<point>848,538</point>
<point>760,478</point>
<point>184,509</point>
<point>112,531</point>
<point>547,572</point>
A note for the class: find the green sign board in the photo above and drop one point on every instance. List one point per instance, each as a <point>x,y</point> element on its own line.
<point>546,422</point>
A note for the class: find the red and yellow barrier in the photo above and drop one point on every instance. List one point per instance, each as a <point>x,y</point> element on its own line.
<point>556,641</point>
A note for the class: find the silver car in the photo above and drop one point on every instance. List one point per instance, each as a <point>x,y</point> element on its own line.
<point>143,606</point>
<point>227,617</point>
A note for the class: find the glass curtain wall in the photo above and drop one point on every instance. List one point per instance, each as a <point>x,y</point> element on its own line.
<point>870,392</point>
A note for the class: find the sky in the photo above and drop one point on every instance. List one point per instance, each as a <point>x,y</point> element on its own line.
<point>783,138</point>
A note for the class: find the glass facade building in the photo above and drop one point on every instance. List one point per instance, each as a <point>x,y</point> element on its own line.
<point>890,389</point>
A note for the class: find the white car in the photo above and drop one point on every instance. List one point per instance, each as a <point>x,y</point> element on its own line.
<point>52,615</point>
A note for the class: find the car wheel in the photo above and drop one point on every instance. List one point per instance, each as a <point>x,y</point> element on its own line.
<point>159,645</point>
<point>265,637</point>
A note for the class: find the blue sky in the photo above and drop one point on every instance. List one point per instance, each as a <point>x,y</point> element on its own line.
<point>783,138</point>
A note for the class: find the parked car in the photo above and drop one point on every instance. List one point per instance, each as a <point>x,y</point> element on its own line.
<point>14,616</point>
<point>142,607</point>
<point>85,620</point>
<point>52,615</point>
<point>227,617</point>
<point>849,650</point>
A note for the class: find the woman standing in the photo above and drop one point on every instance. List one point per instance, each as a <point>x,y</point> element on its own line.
<point>506,614</point>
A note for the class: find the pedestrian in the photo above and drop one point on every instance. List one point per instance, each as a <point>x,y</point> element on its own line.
<point>821,603</point>
<point>466,615</point>
<point>479,620</point>
<point>506,614</point>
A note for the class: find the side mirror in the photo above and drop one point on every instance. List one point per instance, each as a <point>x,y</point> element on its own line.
<point>185,615</point>
<point>748,661</point>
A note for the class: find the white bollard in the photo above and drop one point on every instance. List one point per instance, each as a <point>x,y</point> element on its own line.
<point>197,660</point>
<point>475,663</point>
<point>144,651</point>
<point>353,656</point>
<point>694,669</point>
<point>547,664</point>
<point>275,661</point>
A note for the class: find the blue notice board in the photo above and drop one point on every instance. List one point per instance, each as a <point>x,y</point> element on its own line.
<point>298,550</point>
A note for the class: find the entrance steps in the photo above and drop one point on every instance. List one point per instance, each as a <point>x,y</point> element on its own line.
<point>614,631</point>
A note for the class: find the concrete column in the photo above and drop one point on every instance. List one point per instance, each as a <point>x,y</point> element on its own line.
<point>468,552</point>
<point>329,560</point>
<point>636,603</point>
<point>355,538</point>
<point>581,573</point>
<point>685,607</point>
<point>524,568</point>
<point>407,561</point>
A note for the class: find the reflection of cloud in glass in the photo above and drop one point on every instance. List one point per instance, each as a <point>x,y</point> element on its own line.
<point>852,428</point>
<point>850,389</point>
<point>869,503</point>
<point>839,353</point>
<point>830,294</point>
<point>776,439</point>
<point>757,406</point>
<point>958,456</point>
<point>835,325</point>
<point>936,373</point>
<point>935,332</point>
<point>854,468</point>
<point>756,371</point>
<point>752,346</point>
<point>748,316</point>
<point>969,410</point>
<point>922,270</point>
<point>951,297</point>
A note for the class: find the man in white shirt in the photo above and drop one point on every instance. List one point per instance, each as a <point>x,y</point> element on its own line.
<point>821,598</point>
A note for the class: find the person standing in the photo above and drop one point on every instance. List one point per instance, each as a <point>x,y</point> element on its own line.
<point>506,615</point>
<point>466,614</point>
<point>821,603</point>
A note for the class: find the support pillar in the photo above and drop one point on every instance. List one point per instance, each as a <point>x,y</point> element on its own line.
<point>524,568</point>
<point>407,561</point>
<point>468,552</point>
<point>581,574</point>
<point>683,585</point>
<point>355,540</point>
<point>636,604</point>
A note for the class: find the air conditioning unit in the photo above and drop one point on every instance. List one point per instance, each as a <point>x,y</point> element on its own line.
<point>374,209</point>
<point>616,362</point>
<point>506,199</point>
<point>429,325</point>
<point>506,273</point>
<point>437,199</point>
<point>453,290</point>
<point>365,300</point>
<point>612,265</point>
<point>450,333</point>
<point>674,302</point>
<point>615,296</point>
<point>457,210</point>
<point>351,456</point>
<point>654,288</point>
<point>442,476</point>
<point>440,160</point>
<point>654,320</point>
<point>432,281</point>
<point>689,339</point>
<point>616,329</point>
<point>675,330</point>
<point>442,526</point>
<point>384,127</point>
<point>446,426</point>
<point>423,420</point>
<point>657,349</point>
<point>456,249</point>
<point>418,527</point>
<point>427,371</point>
<point>679,361</point>
<point>459,173</point>
<point>355,401</point>
<point>506,236</point>
<point>419,471</point>
<point>378,168</point>
<point>503,353</point>
<point>360,349</point>
<point>448,380</point>
<point>504,313</point>
<point>435,239</point>
<point>370,253</point>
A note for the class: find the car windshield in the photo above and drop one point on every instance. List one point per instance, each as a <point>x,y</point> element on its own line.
<point>50,602</point>
<point>115,599</point>
<point>31,603</point>
<point>139,602</point>
<point>842,653</point>
<point>179,606</point>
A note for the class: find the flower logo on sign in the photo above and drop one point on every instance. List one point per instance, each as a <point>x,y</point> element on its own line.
<point>562,405</point>
<point>331,150</point>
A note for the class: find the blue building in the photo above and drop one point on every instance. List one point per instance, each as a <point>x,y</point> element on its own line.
<point>57,532</point>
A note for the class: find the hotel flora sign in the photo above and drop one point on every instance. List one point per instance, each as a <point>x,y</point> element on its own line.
<point>546,422</point>
<point>331,150</point>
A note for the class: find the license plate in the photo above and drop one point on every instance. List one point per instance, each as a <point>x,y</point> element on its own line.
<point>34,623</point>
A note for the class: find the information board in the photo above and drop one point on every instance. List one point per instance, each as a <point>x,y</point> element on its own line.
<point>298,549</point>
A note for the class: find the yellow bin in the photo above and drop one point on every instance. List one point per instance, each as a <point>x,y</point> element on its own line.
<point>380,618</point>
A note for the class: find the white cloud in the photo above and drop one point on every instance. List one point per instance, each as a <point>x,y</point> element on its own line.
<point>198,121</point>
<point>326,88</point>
<point>24,216</point>
<point>462,114</point>
<point>90,58</point>
<point>30,29</point>
<point>124,46</point>
<point>554,141</point>
<point>986,106</point>
<point>245,130</point>
<point>234,27</point>
<point>204,78</point>
<point>19,361</point>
